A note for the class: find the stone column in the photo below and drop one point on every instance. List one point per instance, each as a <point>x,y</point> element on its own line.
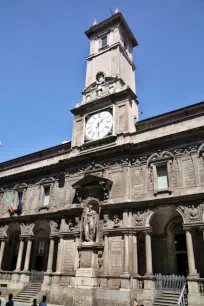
<point>106,259</point>
<point>20,255</point>
<point>50,256</point>
<point>60,255</point>
<point>190,253</point>
<point>126,260</point>
<point>135,255</point>
<point>148,250</point>
<point>27,258</point>
<point>3,242</point>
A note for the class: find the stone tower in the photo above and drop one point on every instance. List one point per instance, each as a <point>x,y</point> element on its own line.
<point>109,104</point>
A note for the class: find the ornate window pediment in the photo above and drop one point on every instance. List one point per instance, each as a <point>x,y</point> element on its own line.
<point>160,170</point>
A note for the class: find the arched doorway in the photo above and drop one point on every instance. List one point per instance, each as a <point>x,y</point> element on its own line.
<point>169,251</point>
<point>11,248</point>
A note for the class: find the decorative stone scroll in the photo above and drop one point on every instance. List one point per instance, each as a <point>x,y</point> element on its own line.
<point>27,229</point>
<point>191,213</point>
<point>21,186</point>
<point>54,227</point>
<point>164,155</point>
<point>3,231</point>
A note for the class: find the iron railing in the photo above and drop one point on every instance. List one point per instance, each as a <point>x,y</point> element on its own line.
<point>170,282</point>
<point>182,298</point>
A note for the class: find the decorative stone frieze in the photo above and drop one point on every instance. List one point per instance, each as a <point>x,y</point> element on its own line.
<point>27,229</point>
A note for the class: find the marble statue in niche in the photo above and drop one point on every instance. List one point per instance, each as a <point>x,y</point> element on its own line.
<point>89,224</point>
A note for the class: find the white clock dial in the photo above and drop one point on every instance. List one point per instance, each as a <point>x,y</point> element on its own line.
<point>99,125</point>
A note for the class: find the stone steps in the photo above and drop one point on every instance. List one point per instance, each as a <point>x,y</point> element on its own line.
<point>29,293</point>
<point>167,298</point>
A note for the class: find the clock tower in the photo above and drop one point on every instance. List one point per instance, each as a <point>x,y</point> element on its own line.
<point>109,106</point>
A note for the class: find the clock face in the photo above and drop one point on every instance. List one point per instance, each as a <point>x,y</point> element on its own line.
<point>99,125</point>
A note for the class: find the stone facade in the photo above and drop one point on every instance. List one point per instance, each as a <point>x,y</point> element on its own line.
<point>95,218</point>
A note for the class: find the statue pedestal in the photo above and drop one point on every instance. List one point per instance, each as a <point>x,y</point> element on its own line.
<point>86,275</point>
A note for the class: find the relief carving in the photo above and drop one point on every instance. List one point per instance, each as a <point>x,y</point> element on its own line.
<point>3,231</point>
<point>27,229</point>
<point>116,221</point>
<point>190,213</point>
<point>89,223</point>
<point>54,227</point>
<point>140,217</point>
<point>106,220</point>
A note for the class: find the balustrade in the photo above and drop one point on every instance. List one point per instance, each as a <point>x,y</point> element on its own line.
<point>170,282</point>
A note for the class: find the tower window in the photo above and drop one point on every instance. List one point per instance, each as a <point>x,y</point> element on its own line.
<point>162,176</point>
<point>104,41</point>
<point>46,196</point>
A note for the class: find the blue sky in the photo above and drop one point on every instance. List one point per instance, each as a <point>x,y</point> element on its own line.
<point>43,53</point>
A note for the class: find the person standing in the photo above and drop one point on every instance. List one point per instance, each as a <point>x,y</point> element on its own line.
<point>10,301</point>
<point>34,302</point>
<point>43,302</point>
<point>135,302</point>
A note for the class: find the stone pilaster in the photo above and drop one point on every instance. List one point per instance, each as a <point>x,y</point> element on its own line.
<point>60,255</point>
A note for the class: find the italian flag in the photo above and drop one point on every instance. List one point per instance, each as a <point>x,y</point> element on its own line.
<point>11,207</point>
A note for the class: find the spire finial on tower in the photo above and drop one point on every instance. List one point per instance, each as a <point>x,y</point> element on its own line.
<point>116,10</point>
<point>95,22</point>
